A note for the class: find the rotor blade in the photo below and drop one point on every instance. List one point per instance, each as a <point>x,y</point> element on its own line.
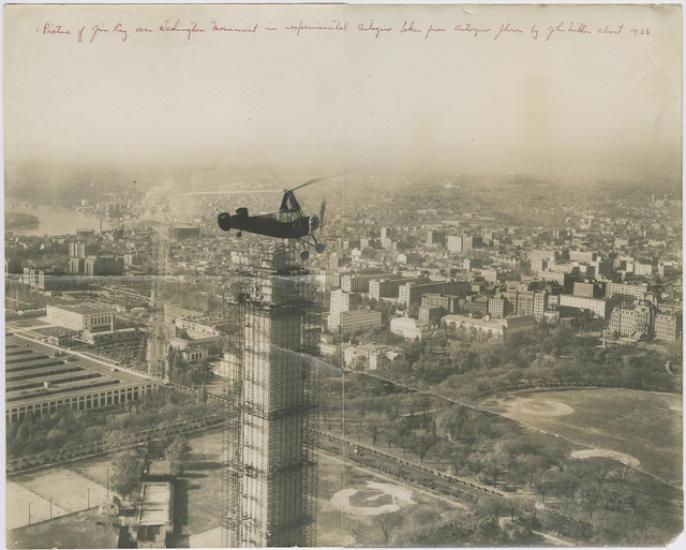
<point>233,192</point>
<point>316,180</point>
<point>273,176</point>
<point>322,209</point>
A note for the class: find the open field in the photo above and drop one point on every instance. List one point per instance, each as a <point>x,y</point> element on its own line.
<point>18,501</point>
<point>77,530</point>
<point>70,492</point>
<point>641,429</point>
<point>348,499</point>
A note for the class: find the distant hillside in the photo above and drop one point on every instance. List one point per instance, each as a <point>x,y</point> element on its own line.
<point>19,219</point>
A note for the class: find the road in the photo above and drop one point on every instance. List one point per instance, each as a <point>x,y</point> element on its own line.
<point>49,459</point>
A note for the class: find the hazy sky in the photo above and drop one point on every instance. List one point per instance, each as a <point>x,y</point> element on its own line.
<point>576,105</point>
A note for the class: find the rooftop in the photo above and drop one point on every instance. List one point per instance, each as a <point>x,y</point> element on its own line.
<point>475,321</point>
<point>359,313</point>
<point>82,308</point>
<point>33,373</point>
<point>155,503</point>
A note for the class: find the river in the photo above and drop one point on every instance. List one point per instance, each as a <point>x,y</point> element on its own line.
<point>59,221</point>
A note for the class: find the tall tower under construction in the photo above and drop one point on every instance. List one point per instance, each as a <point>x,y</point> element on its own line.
<point>270,487</point>
<point>158,339</point>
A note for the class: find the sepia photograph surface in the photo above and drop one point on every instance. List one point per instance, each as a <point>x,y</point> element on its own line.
<point>342,275</point>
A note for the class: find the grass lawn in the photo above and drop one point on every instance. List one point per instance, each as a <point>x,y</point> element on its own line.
<point>644,425</point>
<point>337,527</point>
<point>201,510</point>
<point>79,530</point>
<point>198,501</point>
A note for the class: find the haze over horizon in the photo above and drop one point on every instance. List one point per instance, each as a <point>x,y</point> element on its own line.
<point>573,109</point>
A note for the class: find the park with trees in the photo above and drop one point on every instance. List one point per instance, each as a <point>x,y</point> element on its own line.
<point>426,407</point>
<point>129,466</point>
<point>68,429</point>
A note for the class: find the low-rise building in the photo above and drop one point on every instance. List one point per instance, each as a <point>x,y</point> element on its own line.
<point>541,259</point>
<point>340,301</point>
<point>666,327</point>
<point>633,322</point>
<point>406,327</point>
<point>636,291</point>
<point>359,319</point>
<point>150,519</point>
<point>430,316</point>
<point>589,289</point>
<point>475,306</point>
<point>643,269</point>
<point>81,317</point>
<point>103,265</point>
<point>368,356</point>
<point>184,232</point>
<point>39,384</point>
<point>489,275</point>
<point>501,329</point>
<point>496,307</point>
<point>600,307</point>
<point>434,237</point>
<point>386,288</point>
<point>449,302</point>
<point>409,294</point>
<point>459,243</point>
<point>359,282</point>
<point>47,279</point>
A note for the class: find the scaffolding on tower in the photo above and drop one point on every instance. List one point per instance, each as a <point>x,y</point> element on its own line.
<point>269,486</point>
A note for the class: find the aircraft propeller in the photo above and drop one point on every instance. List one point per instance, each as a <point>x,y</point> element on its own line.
<point>322,209</point>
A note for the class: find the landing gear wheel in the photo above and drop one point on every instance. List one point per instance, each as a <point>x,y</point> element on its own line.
<point>304,255</point>
<point>319,247</point>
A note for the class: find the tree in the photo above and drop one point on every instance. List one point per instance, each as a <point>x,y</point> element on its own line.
<point>56,437</point>
<point>589,498</point>
<point>127,472</point>
<point>564,485</point>
<point>487,532</point>
<point>423,517</point>
<point>529,466</point>
<point>418,521</point>
<point>422,442</point>
<point>452,422</point>
<point>23,433</point>
<point>353,527</point>
<point>490,507</point>
<point>117,439</point>
<point>202,393</point>
<point>154,449</point>
<point>388,523</point>
<point>373,431</point>
<point>396,430</point>
<point>177,453</point>
<point>488,464</point>
<point>544,483</point>
<point>633,374</point>
<point>520,535</point>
